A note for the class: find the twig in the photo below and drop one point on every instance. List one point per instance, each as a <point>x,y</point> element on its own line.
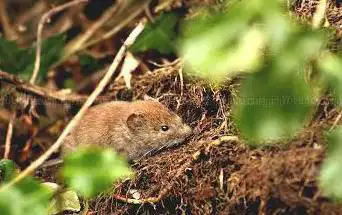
<point>319,14</point>
<point>75,45</point>
<point>337,120</point>
<point>195,156</point>
<point>162,193</point>
<point>34,165</point>
<point>9,136</point>
<point>8,29</point>
<point>41,23</point>
<point>117,27</point>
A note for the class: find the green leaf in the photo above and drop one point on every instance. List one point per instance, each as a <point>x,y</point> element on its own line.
<point>65,200</point>
<point>271,51</point>
<point>52,49</point>
<point>217,47</point>
<point>272,106</point>
<point>21,61</point>
<point>93,170</point>
<point>12,58</point>
<point>8,170</point>
<point>159,35</point>
<point>330,66</point>
<point>331,170</point>
<point>27,197</point>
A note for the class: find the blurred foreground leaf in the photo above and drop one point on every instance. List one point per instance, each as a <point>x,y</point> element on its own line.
<point>270,51</point>
<point>27,197</point>
<point>159,35</point>
<point>8,170</point>
<point>65,200</point>
<point>272,106</point>
<point>331,66</point>
<point>331,170</point>
<point>93,170</point>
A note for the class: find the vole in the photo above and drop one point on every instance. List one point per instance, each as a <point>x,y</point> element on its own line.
<point>130,128</point>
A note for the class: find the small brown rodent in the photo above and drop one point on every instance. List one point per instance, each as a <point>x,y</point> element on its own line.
<point>130,128</point>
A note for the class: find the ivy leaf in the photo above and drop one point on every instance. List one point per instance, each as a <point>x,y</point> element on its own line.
<point>93,170</point>
<point>27,197</point>
<point>331,170</point>
<point>159,35</point>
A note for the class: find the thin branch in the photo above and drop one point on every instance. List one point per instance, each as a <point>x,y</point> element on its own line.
<point>180,171</point>
<point>42,21</point>
<point>319,14</point>
<point>121,24</point>
<point>34,165</point>
<point>77,43</point>
<point>8,29</point>
<point>336,121</point>
<point>9,136</point>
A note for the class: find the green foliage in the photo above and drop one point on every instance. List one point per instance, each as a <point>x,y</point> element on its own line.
<point>88,171</point>
<point>20,61</point>
<point>159,35</point>
<point>92,170</point>
<point>271,51</point>
<point>330,66</point>
<point>27,197</point>
<point>63,200</point>
<point>8,170</point>
<point>331,170</point>
<point>276,109</point>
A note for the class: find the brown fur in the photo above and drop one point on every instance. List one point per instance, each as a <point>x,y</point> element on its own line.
<point>131,128</point>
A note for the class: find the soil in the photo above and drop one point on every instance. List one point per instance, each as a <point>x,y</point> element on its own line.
<point>217,173</point>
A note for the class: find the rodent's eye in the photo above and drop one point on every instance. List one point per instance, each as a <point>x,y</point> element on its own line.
<point>164,127</point>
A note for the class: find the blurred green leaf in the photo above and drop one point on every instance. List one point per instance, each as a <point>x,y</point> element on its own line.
<point>217,47</point>
<point>21,61</point>
<point>63,200</point>
<point>271,51</point>
<point>93,170</point>
<point>27,197</point>
<point>272,106</point>
<point>330,66</point>
<point>8,170</point>
<point>159,35</point>
<point>331,170</point>
<point>277,102</point>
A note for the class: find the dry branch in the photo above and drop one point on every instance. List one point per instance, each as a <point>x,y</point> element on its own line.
<point>42,21</point>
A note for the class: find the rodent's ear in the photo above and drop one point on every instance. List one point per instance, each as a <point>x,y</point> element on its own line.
<point>135,121</point>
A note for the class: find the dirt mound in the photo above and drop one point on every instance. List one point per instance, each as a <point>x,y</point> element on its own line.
<point>216,172</point>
